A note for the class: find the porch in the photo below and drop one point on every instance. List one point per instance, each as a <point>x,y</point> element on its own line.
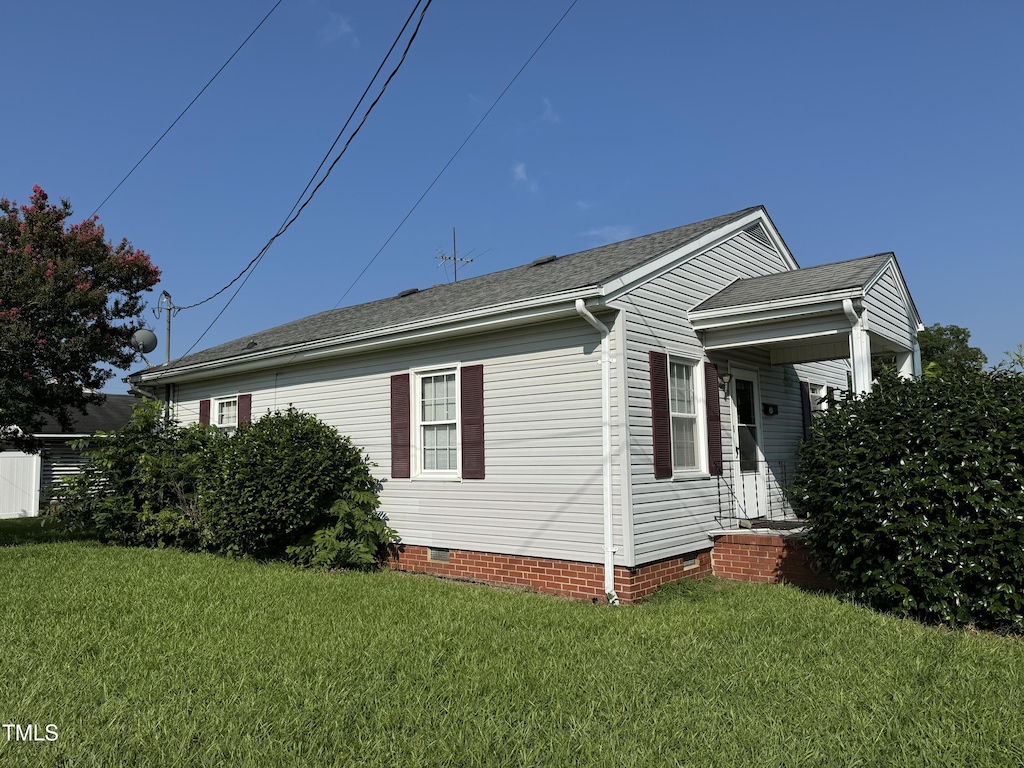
<point>850,311</point>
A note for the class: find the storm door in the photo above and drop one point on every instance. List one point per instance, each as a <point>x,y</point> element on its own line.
<point>748,466</point>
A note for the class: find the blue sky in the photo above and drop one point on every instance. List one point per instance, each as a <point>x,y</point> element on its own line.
<point>862,127</point>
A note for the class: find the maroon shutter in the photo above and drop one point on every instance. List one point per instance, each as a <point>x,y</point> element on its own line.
<point>401,463</point>
<point>661,421</point>
<point>244,409</point>
<point>204,412</point>
<point>805,407</point>
<point>472,405</point>
<point>714,411</point>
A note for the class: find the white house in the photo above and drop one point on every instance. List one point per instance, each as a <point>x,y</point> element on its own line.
<point>25,478</point>
<point>582,423</point>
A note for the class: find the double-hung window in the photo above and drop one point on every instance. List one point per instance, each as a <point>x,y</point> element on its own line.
<point>682,396</point>
<point>438,414</point>
<point>686,431</point>
<point>225,414</point>
<point>437,423</point>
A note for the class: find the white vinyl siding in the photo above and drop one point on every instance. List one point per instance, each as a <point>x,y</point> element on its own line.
<point>672,518</point>
<point>542,495</point>
<point>888,312</point>
<point>60,461</point>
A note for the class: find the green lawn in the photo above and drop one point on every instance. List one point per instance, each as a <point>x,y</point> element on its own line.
<point>159,658</point>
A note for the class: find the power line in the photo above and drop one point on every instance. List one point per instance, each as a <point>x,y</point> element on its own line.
<point>456,154</point>
<point>251,267</point>
<point>286,223</point>
<point>186,109</point>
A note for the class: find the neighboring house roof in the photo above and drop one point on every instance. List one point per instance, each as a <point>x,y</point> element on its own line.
<point>574,271</point>
<point>809,281</point>
<point>113,413</point>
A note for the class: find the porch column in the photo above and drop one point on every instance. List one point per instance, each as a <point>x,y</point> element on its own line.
<point>905,364</point>
<point>860,354</point>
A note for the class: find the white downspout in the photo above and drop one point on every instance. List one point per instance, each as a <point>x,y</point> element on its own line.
<point>606,450</point>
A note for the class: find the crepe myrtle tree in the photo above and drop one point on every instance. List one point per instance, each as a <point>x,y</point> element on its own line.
<point>70,301</point>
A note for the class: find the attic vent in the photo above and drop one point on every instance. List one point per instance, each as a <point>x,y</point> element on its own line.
<point>757,232</point>
<point>439,555</point>
<point>408,292</point>
<point>542,260</point>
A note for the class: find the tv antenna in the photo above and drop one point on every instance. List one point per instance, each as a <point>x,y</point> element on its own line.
<point>444,258</point>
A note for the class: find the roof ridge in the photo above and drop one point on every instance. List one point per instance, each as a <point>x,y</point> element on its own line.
<point>573,271</point>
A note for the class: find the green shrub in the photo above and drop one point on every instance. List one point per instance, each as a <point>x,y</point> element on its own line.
<point>356,540</point>
<point>286,485</point>
<point>139,486</point>
<point>915,497</point>
<point>275,483</point>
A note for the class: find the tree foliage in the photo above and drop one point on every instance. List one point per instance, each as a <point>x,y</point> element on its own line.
<point>945,348</point>
<point>914,496</point>
<point>69,304</point>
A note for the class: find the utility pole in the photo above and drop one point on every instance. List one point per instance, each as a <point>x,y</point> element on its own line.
<point>454,258</point>
<point>164,302</point>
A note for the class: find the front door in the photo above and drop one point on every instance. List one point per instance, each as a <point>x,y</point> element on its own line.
<point>749,473</point>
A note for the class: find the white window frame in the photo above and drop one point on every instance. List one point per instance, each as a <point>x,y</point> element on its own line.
<point>215,404</point>
<point>818,394</point>
<point>417,440</point>
<point>699,417</point>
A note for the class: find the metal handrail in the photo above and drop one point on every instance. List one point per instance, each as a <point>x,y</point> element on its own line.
<point>771,502</point>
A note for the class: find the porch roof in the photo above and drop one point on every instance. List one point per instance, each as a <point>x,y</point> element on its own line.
<point>806,282</point>
<point>848,310</point>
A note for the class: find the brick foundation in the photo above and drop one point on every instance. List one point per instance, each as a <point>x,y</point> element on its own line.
<point>568,578</point>
<point>768,557</point>
<point>740,556</point>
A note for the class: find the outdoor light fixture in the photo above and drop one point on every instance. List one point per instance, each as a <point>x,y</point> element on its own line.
<point>725,378</point>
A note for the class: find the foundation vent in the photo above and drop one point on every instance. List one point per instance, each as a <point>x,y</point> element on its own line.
<point>439,555</point>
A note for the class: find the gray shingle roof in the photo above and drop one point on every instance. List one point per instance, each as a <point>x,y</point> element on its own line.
<point>113,413</point>
<point>801,282</point>
<point>578,270</point>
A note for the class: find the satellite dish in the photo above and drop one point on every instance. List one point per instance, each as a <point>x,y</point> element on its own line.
<point>144,340</point>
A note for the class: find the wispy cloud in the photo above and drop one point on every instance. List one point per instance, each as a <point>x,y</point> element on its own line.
<point>611,233</point>
<point>520,176</point>
<point>584,205</point>
<point>548,115</point>
<point>337,27</point>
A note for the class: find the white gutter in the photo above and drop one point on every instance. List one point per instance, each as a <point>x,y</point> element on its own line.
<point>606,450</point>
<point>822,303</point>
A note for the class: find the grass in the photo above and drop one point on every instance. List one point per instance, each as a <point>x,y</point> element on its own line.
<point>159,658</point>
